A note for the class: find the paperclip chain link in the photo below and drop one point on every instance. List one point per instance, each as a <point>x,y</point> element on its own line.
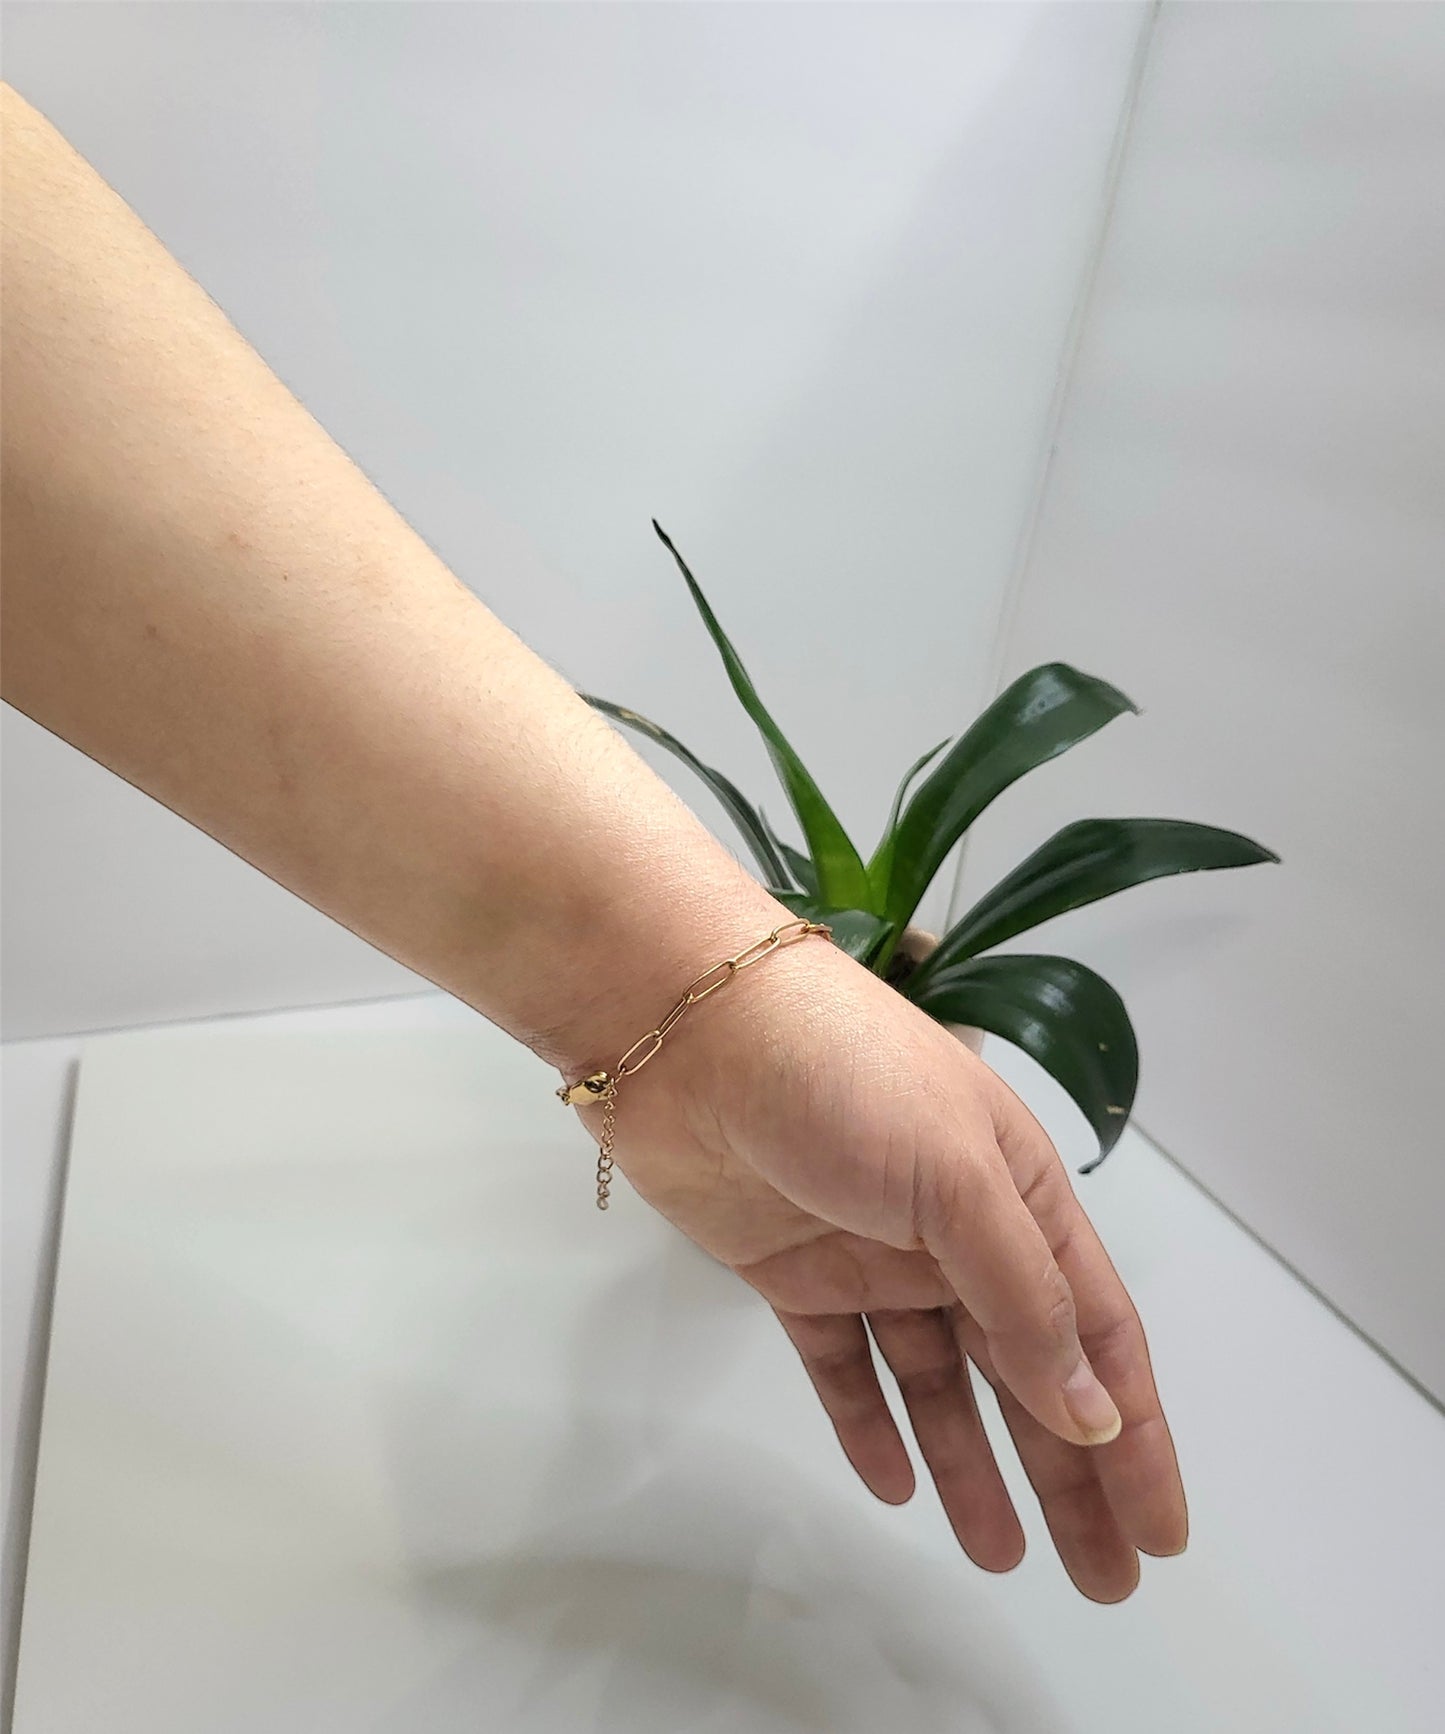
<point>601,1086</point>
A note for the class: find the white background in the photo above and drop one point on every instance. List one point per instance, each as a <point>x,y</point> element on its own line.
<point>794,280</point>
<point>800,281</point>
<point>1244,527</point>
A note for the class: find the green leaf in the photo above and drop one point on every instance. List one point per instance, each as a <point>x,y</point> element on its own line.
<point>1061,1014</point>
<point>799,865</point>
<point>841,873</point>
<point>1085,861</point>
<point>1043,714</point>
<point>882,863</point>
<point>744,814</point>
<point>857,931</point>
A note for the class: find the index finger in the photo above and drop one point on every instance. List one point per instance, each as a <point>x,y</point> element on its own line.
<point>1139,1470</point>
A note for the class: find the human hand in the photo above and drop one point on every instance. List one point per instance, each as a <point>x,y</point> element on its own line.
<point>851,1160</point>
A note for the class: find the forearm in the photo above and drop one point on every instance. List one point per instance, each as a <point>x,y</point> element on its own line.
<point>203,592</point>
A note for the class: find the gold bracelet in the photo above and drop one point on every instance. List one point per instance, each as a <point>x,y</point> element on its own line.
<point>602,1086</point>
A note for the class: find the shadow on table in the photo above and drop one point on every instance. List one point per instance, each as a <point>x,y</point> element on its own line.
<point>660,1577</point>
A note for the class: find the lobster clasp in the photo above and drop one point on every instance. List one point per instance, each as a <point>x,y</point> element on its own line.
<point>585,1090</point>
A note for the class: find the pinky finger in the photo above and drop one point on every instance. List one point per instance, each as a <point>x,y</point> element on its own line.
<point>838,1357</point>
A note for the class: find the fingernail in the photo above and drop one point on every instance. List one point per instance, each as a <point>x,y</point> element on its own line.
<point>1091,1405</point>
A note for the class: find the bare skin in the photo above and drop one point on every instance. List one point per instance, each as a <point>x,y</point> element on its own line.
<point>202,592</point>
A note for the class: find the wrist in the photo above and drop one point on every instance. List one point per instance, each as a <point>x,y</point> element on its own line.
<point>602,952</point>
<point>611,974</point>
<point>609,899</point>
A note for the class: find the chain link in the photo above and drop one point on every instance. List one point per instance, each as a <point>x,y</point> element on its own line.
<point>604,1149</point>
<point>601,1086</point>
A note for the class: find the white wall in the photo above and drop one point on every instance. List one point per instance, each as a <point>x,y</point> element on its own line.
<point>793,278</point>
<point>1244,527</point>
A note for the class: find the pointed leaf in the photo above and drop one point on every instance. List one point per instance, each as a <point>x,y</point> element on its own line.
<point>743,813</point>
<point>882,863</point>
<point>1043,714</point>
<point>800,866</point>
<point>1083,862</point>
<point>841,873</point>
<point>1061,1014</point>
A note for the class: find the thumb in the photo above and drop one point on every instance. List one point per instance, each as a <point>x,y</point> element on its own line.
<point>995,1258</point>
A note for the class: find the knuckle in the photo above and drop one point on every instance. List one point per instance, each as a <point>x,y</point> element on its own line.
<point>1060,1313</point>
<point>1119,1345</point>
<point>933,1196</point>
<point>946,1189</point>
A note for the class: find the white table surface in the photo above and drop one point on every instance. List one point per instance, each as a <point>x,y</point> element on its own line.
<point>37,1085</point>
<point>360,1419</point>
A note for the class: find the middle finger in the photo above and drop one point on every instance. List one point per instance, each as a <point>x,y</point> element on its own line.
<point>937,1390</point>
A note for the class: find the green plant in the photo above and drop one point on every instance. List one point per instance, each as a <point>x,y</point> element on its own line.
<point>1063,1014</point>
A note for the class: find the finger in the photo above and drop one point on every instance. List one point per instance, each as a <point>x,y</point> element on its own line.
<point>835,1350</point>
<point>971,1218</point>
<point>1086,1534</point>
<point>1138,1471</point>
<point>933,1378</point>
